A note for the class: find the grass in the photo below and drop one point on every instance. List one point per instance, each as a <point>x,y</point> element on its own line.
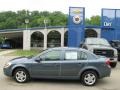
<point>24,53</point>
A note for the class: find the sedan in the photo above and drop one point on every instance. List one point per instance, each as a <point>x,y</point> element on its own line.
<point>60,63</point>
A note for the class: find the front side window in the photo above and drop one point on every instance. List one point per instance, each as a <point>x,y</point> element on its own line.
<point>53,55</point>
<point>71,55</point>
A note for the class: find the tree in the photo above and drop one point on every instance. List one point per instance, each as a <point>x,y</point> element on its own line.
<point>94,20</point>
<point>12,20</point>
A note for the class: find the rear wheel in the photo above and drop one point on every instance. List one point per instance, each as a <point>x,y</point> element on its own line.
<point>113,65</point>
<point>89,78</point>
<point>21,75</point>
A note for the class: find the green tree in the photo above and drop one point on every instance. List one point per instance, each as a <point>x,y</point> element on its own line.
<point>57,18</point>
<point>94,20</point>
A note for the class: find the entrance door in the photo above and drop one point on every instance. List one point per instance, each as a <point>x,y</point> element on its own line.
<point>90,33</point>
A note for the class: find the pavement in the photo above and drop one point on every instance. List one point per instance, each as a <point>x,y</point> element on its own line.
<point>109,83</point>
<point>6,52</point>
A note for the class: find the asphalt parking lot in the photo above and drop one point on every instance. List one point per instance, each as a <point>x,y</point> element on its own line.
<point>109,83</point>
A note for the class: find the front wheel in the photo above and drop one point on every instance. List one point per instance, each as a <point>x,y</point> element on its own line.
<point>21,75</point>
<point>89,78</point>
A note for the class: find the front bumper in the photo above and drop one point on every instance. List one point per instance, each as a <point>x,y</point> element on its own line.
<point>7,72</point>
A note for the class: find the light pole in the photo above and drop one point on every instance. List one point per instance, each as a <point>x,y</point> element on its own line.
<point>45,23</point>
<point>26,22</point>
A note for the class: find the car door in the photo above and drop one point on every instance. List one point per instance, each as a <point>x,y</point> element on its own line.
<point>49,66</point>
<point>74,61</point>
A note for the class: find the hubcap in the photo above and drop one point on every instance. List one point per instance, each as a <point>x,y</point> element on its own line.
<point>21,76</point>
<point>89,79</point>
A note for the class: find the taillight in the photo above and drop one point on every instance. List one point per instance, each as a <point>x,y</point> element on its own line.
<point>108,61</point>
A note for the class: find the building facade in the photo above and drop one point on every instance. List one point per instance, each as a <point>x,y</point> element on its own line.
<point>72,35</point>
<point>40,38</point>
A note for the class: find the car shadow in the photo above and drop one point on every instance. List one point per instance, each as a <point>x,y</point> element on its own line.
<point>55,81</point>
<point>67,82</point>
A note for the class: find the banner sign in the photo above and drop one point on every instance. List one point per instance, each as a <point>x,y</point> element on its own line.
<point>76,26</point>
<point>110,24</point>
<point>108,18</point>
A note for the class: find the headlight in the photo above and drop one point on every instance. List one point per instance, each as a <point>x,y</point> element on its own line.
<point>115,52</point>
<point>7,65</point>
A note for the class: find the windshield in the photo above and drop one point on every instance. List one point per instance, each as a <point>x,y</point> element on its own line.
<point>115,44</point>
<point>97,41</point>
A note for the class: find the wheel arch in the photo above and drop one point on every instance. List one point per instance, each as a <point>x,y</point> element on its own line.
<point>90,69</point>
<point>18,67</point>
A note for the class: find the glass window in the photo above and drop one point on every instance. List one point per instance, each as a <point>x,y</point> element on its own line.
<point>53,55</point>
<point>97,41</point>
<point>82,56</point>
<point>71,55</point>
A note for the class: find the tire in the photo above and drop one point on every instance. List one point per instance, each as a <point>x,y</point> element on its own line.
<point>89,78</point>
<point>21,75</point>
<point>113,65</point>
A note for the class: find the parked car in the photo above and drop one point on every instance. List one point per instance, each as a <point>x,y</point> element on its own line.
<point>5,46</point>
<point>60,63</point>
<point>116,44</point>
<point>101,46</point>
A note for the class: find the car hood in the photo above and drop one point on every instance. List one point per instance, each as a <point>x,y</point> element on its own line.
<point>20,60</point>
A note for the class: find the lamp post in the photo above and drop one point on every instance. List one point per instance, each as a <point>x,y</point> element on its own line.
<point>45,23</point>
<point>26,22</point>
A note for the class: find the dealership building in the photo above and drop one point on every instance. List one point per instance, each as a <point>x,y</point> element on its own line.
<point>71,35</point>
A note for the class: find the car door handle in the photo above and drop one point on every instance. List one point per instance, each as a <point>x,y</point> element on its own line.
<point>56,64</point>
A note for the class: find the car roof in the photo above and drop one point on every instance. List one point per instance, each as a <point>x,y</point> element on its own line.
<point>67,48</point>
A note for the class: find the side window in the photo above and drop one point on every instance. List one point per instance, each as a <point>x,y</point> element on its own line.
<point>82,56</point>
<point>71,55</point>
<point>53,55</point>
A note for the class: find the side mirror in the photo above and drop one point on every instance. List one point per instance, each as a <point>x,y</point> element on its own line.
<point>38,60</point>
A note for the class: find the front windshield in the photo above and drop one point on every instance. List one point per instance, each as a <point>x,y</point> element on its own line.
<point>115,44</point>
<point>97,41</point>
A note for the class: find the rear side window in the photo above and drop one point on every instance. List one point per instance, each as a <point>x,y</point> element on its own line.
<point>71,55</point>
<point>82,56</point>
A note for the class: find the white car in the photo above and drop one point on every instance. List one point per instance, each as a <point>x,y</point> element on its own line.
<point>101,46</point>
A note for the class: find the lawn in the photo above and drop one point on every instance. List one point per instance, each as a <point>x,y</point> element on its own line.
<point>24,53</point>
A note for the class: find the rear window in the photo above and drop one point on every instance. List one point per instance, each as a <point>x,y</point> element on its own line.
<point>93,56</point>
<point>82,56</point>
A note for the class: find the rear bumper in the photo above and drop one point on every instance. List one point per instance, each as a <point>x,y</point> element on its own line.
<point>114,60</point>
<point>106,72</point>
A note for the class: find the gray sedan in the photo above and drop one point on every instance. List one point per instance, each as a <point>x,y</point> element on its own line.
<point>60,63</point>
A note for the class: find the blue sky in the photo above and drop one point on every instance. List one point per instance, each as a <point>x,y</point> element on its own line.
<point>93,7</point>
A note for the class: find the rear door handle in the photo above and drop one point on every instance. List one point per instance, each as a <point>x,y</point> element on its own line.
<point>56,64</point>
